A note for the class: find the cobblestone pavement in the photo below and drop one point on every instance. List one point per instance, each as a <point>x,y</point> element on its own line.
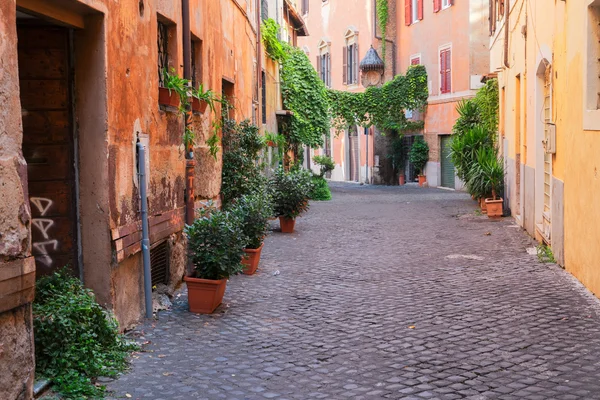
<point>382,293</point>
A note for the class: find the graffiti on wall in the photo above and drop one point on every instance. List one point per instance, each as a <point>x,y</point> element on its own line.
<point>42,248</point>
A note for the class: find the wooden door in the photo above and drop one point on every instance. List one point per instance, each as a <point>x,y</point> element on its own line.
<point>48,144</point>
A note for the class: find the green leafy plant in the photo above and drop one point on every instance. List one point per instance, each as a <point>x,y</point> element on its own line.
<point>544,253</point>
<point>382,9</point>
<point>275,49</point>
<point>254,211</point>
<point>320,189</point>
<point>397,154</point>
<point>464,147</point>
<point>487,175</point>
<point>325,163</point>
<point>291,191</point>
<point>419,154</point>
<point>216,243</point>
<point>241,172</point>
<point>75,339</point>
<point>383,107</point>
<point>186,93</point>
<point>305,95</point>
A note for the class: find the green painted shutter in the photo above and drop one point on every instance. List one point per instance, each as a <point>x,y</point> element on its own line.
<point>447,166</point>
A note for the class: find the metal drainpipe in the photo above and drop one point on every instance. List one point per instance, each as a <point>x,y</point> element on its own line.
<point>190,163</point>
<point>367,153</point>
<point>506,28</point>
<point>145,233</point>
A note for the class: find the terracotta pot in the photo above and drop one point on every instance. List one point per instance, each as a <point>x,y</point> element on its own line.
<point>168,99</point>
<point>422,180</point>
<point>251,260</point>
<point>483,205</point>
<point>271,143</point>
<point>401,180</point>
<point>494,207</point>
<point>205,295</point>
<point>287,224</point>
<point>199,105</point>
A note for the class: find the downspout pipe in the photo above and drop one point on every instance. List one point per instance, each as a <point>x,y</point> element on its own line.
<point>190,163</point>
<point>145,231</point>
<point>506,29</point>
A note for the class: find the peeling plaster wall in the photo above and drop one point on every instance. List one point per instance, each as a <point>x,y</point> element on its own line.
<point>17,269</point>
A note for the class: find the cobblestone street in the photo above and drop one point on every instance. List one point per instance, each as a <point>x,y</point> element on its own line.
<point>382,293</point>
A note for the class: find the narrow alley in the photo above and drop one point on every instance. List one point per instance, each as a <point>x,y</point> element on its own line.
<point>383,292</point>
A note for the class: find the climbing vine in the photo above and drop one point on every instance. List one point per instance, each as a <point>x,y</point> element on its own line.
<point>383,106</point>
<point>274,47</point>
<point>305,95</point>
<point>383,17</point>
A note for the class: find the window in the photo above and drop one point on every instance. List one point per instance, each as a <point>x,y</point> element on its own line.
<point>324,63</point>
<point>413,11</point>
<point>445,70</point>
<point>305,5</point>
<point>264,10</point>
<point>415,60</point>
<point>196,62</point>
<point>438,5</point>
<point>264,96</point>
<point>350,58</point>
<point>163,52</point>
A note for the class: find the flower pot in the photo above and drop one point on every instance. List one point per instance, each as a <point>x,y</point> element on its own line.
<point>205,295</point>
<point>168,98</point>
<point>401,180</point>
<point>483,205</point>
<point>422,180</point>
<point>494,207</point>
<point>287,224</point>
<point>199,105</point>
<point>251,260</point>
<point>270,143</point>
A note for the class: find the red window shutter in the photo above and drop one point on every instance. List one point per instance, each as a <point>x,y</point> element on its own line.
<point>345,65</point>
<point>442,71</point>
<point>407,12</point>
<point>437,5</point>
<point>415,61</point>
<point>420,10</point>
<point>448,71</point>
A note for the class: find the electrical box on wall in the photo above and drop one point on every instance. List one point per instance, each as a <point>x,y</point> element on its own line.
<point>550,140</point>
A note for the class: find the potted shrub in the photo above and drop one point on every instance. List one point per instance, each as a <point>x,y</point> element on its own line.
<point>419,155</point>
<point>175,88</point>
<point>291,191</point>
<point>320,188</point>
<point>487,179</point>
<point>397,157</point>
<point>254,211</point>
<point>216,244</point>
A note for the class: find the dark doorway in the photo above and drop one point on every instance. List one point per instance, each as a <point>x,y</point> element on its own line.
<point>447,166</point>
<point>45,80</point>
<point>353,155</point>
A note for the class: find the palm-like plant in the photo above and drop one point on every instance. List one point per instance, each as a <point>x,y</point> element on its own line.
<point>486,178</point>
<point>464,147</point>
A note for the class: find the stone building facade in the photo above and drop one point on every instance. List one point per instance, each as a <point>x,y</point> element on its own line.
<point>79,88</point>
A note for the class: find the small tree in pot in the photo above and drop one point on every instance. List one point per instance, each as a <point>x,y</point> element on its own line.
<point>254,211</point>
<point>216,243</point>
<point>487,179</point>
<point>419,155</point>
<point>320,190</point>
<point>291,191</point>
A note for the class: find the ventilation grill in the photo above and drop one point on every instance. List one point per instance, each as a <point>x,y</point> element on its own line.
<point>159,262</point>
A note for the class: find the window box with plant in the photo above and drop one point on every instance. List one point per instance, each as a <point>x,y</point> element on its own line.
<point>174,89</point>
<point>419,155</point>
<point>216,244</point>
<point>254,211</point>
<point>291,192</point>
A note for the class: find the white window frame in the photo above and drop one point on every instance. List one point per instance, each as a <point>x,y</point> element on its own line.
<point>351,39</point>
<point>324,49</point>
<point>446,4</point>
<point>415,57</point>
<point>447,46</point>
<point>414,11</point>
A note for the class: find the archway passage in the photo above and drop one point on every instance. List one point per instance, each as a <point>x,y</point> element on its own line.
<point>45,80</point>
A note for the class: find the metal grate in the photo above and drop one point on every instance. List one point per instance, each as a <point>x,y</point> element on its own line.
<point>163,52</point>
<point>159,263</point>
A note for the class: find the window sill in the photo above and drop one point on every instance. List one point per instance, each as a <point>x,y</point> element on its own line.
<point>591,120</point>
